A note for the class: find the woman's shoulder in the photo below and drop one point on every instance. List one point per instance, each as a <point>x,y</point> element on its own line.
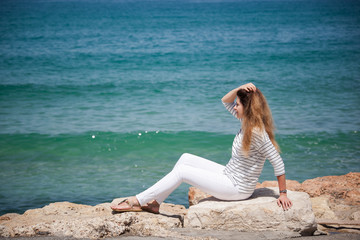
<point>260,135</point>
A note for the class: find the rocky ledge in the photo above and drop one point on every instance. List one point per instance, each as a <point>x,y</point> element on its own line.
<point>66,219</point>
<point>259,213</point>
<point>335,200</point>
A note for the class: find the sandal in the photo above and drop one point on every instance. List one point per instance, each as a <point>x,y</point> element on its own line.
<point>131,207</point>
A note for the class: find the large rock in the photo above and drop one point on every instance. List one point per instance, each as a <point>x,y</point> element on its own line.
<point>342,194</point>
<point>322,208</point>
<point>259,213</point>
<point>345,188</point>
<point>333,197</point>
<point>83,221</point>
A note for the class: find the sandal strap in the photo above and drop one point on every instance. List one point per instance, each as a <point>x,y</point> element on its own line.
<point>126,201</point>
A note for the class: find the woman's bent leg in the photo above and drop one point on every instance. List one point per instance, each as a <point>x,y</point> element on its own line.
<point>199,162</point>
<point>199,172</point>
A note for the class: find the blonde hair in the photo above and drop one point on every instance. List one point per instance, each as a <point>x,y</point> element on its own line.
<point>257,115</point>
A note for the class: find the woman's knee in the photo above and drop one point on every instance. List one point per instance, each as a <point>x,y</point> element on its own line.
<point>184,157</point>
<point>181,160</point>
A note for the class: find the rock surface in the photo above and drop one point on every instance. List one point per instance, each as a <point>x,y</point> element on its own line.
<point>322,208</point>
<point>64,219</point>
<point>196,195</point>
<point>259,213</point>
<point>332,197</point>
<point>345,188</point>
<point>83,221</point>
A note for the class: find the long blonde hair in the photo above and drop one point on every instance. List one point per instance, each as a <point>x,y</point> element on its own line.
<point>257,114</point>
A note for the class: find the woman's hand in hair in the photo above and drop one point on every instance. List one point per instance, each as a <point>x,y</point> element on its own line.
<point>284,202</point>
<point>248,87</point>
<point>230,96</point>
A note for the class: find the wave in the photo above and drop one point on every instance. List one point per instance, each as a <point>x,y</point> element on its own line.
<point>300,146</point>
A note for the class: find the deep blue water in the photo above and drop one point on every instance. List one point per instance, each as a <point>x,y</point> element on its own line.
<point>98,99</point>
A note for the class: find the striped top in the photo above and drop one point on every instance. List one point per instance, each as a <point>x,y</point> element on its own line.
<point>244,171</point>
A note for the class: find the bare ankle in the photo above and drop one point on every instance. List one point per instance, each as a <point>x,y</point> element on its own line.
<point>154,203</point>
<point>152,207</point>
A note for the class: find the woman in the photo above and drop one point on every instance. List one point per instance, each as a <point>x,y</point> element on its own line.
<point>254,143</point>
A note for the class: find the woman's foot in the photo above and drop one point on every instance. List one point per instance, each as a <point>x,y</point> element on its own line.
<point>152,207</point>
<point>130,204</point>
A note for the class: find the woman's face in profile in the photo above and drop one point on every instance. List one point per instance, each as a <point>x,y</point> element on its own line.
<point>239,108</point>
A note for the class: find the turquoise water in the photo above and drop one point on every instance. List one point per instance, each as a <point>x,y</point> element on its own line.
<point>99,99</point>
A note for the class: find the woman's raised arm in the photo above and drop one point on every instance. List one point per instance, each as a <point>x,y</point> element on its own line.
<point>230,96</point>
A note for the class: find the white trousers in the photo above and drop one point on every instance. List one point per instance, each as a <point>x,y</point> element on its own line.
<point>199,172</point>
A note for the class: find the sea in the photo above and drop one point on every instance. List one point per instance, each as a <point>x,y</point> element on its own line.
<point>99,99</point>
